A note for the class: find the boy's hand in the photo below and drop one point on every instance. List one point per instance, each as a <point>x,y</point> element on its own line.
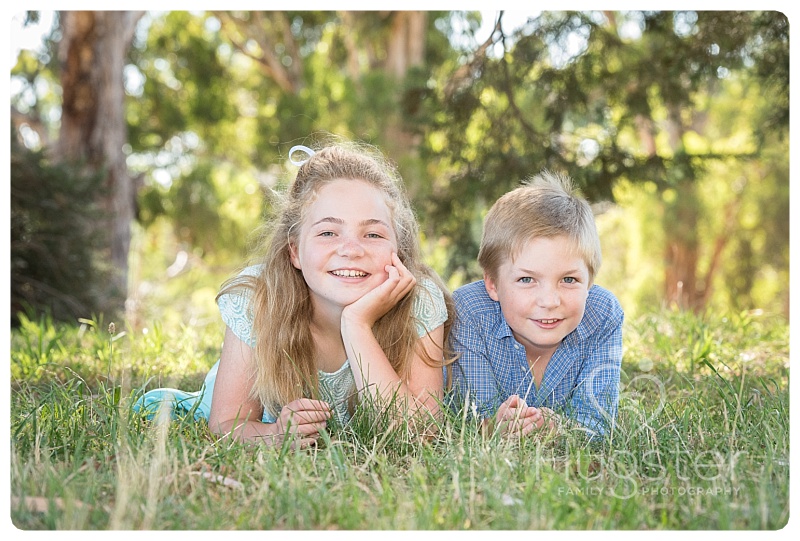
<point>551,420</point>
<point>372,306</point>
<point>515,418</point>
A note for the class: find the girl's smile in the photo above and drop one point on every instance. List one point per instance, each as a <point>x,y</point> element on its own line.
<point>350,273</point>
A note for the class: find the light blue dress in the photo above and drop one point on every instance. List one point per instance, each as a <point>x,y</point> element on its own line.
<point>429,310</point>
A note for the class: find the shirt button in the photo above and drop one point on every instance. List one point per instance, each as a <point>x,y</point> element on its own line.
<point>516,346</point>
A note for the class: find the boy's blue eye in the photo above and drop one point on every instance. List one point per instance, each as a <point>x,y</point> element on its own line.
<point>570,280</point>
<point>525,280</point>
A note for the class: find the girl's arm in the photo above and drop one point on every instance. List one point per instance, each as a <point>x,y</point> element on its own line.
<point>372,370</point>
<point>235,412</point>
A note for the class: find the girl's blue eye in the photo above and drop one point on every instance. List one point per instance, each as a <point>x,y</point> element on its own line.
<point>326,234</point>
<point>526,280</point>
<point>374,236</point>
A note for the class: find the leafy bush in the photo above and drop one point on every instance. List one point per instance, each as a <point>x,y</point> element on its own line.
<point>54,263</point>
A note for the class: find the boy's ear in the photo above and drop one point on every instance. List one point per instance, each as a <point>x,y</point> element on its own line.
<point>293,256</point>
<point>491,288</point>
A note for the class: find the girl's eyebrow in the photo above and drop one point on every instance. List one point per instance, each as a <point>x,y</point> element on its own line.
<point>374,221</point>
<point>330,219</point>
<point>339,221</point>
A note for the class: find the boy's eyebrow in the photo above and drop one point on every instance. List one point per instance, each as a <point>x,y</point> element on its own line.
<point>565,273</point>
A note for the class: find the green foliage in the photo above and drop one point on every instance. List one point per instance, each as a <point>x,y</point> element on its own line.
<point>677,123</point>
<point>702,441</point>
<point>576,92</point>
<point>55,263</point>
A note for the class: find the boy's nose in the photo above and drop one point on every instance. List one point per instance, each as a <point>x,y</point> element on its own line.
<point>350,247</point>
<point>548,298</point>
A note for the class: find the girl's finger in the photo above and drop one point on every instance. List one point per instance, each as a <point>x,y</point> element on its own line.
<point>308,404</point>
<point>304,443</point>
<point>311,416</point>
<point>311,429</point>
<point>394,273</point>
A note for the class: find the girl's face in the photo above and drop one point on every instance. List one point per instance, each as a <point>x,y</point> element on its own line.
<point>345,241</point>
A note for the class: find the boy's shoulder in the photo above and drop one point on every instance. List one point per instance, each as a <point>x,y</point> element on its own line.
<point>602,306</point>
<point>598,295</point>
<point>473,295</point>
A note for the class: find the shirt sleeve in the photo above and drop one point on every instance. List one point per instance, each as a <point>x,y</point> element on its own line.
<point>596,395</point>
<point>234,307</point>
<point>474,385</point>
<point>429,308</point>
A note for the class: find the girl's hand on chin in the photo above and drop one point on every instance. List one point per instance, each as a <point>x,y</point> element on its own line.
<point>372,306</point>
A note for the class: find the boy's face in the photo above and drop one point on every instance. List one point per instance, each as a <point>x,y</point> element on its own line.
<point>542,293</point>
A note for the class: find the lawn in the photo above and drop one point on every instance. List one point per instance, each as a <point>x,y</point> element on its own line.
<point>701,442</point>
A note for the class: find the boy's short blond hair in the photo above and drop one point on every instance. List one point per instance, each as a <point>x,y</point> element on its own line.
<point>547,205</point>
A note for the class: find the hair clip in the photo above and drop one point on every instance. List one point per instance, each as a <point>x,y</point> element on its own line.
<point>300,148</point>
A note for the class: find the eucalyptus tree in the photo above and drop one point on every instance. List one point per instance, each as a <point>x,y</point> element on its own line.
<point>224,95</point>
<point>85,61</point>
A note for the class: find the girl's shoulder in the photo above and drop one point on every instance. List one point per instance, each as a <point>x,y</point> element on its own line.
<point>242,283</point>
<point>252,270</point>
<point>234,303</point>
<point>430,308</point>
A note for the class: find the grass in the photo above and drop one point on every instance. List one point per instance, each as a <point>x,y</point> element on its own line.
<point>702,443</point>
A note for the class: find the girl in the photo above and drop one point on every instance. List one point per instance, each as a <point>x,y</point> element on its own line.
<point>340,308</point>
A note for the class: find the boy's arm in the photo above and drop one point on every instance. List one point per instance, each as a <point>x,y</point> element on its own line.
<point>594,401</point>
<point>474,384</point>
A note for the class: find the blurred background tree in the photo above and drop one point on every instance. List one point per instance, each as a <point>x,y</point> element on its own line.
<point>674,124</point>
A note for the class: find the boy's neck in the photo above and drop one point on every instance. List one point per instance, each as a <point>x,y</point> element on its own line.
<point>538,359</point>
<point>538,366</point>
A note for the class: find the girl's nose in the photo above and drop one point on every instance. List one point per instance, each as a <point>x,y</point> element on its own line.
<point>350,247</point>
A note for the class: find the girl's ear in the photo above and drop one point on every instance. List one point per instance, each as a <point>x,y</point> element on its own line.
<point>293,256</point>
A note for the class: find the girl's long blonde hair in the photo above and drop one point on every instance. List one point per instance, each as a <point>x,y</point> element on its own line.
<point>284,348</point>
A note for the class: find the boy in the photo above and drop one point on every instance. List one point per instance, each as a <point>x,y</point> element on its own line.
<point>538,343</point>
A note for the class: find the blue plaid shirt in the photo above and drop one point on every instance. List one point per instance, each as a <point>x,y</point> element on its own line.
<point>581,380</point>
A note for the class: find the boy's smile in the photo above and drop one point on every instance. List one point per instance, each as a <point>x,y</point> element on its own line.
<point>542,293</point>
<point>345,242</point>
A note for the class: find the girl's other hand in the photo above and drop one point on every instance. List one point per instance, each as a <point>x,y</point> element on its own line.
<point>302,420</point>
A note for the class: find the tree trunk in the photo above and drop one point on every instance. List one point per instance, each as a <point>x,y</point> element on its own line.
<point>405,48</point>
<point>93,132</point>
<point>681,218</point>
<point>406,45</point>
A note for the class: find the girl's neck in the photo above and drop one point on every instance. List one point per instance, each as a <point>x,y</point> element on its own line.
<point>326,319</point>
<point>326,331</point>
